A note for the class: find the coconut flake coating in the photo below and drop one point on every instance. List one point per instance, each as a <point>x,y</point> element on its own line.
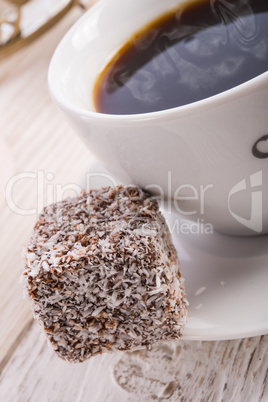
<point>102,274</point>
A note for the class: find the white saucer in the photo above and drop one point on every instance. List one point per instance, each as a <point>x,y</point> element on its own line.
<point>226,281</point>
<point>226,278</point>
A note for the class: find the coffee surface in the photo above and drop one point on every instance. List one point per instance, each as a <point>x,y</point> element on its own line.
<point>200,49</point>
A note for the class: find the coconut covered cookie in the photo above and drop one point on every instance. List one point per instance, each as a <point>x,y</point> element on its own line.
<point>102,274</point>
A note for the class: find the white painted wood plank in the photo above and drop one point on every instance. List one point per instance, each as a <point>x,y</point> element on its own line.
<point>198,371</point>
<point>177,371</point>
<point>35,373</point>
<point>39,139</point>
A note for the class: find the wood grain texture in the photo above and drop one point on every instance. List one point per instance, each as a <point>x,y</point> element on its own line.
<point>35,373</point>
<point>198,371</point>
<point>185,371</point>
<point>40,142</point>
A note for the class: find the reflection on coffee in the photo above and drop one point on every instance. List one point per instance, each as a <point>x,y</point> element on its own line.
<point>200,49</point>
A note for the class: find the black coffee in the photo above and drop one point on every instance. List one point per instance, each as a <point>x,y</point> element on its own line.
<point>203,48</point>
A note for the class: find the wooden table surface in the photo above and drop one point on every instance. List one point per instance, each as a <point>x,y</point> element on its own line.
<point>40,154</point>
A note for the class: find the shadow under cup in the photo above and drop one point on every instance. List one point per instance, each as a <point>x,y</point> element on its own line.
<point>209,159</point>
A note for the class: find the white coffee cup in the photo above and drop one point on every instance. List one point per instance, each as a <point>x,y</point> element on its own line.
<point>209,158</point>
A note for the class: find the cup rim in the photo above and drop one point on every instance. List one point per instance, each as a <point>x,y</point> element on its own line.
<point>233,93</point>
